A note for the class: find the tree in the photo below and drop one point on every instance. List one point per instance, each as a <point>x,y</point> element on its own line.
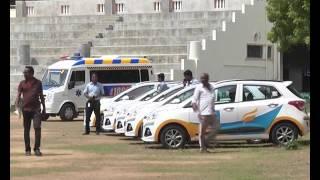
<point>291,22</point>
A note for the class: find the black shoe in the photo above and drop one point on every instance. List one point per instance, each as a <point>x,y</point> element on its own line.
<point>28,153</point>
<point>86,133</point>
<point>97,132</point>
<point>37,152</point>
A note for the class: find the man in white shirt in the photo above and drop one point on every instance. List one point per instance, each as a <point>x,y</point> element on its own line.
<point>188,78</point>
<point>162,86</point>
<point>93,92</point>
<point>203,104</point>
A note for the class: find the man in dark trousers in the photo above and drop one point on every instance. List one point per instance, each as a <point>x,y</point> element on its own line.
<point>31,90</point>
<point>93,92</point>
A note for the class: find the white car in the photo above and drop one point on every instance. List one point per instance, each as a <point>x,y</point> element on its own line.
<point>127,106</point>
<point>115,109</point>
<point>108,104</point>
<point>134,119</point>
<point>246,109</point>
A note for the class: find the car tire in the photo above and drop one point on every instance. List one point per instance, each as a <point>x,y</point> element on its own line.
<point>173,137</point>
<point>283,133</point>
<point>67,112</point>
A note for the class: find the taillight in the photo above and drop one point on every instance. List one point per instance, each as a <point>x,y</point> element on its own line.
<point>297,104</point>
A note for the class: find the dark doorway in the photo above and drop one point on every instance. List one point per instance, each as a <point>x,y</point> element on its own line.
<point>296,67</point>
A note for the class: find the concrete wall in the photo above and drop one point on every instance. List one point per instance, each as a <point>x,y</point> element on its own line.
<point>226,57</point>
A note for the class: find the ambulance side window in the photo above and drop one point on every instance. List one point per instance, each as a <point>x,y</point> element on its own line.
<point>78,77</point>
<point>144,75</point>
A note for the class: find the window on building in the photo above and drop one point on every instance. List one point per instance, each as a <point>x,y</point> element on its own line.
<point>254,51</point>
<point>156,6</point>
<point>30,10</point>
<point>177,5</point>
<point>269,52</point>
<point>120,7</point>
<point>65,10</point>
<point>219,4</point>
<point>100,8</point>
<point>259,92</point>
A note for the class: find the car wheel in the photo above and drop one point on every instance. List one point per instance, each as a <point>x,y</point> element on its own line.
<point>173,137</point>
<point>284,133</point>
<point>67,112</point>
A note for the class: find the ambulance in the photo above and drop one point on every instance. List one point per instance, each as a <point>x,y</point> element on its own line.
<point>64,81</point>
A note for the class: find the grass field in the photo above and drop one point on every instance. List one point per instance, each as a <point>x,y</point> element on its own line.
<point>69,155</point>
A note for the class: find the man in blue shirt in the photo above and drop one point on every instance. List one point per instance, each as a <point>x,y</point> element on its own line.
<point>93,92</point>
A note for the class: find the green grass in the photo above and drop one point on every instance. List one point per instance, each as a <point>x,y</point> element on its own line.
<point>98,148</point>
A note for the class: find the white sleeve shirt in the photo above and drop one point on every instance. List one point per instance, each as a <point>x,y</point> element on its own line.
<point>204,98</point>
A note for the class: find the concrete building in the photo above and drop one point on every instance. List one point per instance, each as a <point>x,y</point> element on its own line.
<point>226,38</point>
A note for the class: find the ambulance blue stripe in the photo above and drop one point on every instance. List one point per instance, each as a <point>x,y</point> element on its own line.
<point>98,61</point>
<point>116,61</point>
<point>134,60</point>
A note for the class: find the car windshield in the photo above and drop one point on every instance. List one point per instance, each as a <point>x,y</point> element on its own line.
<point>295,91</point>
<point>54,77</point>
<point>164,96</point>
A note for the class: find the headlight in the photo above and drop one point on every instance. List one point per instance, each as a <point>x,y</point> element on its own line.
<point>49,97</point>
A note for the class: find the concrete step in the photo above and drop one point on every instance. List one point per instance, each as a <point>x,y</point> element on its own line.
<point>64,19</point>
<point>140,50</point>
<point>173,32</point>
<point>45,35</point>
<point>145,40</point>
<point>177,16</point>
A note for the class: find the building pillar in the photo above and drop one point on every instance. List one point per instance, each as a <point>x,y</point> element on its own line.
<point>109,7</point>
<point>23,54</point>
<point>85,50</point>
<point>21,9</point>
<point>165,6</point>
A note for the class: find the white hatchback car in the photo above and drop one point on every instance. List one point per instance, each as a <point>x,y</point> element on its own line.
<point>108,104</point>
<point>246,109</point>
<point>115,108</point>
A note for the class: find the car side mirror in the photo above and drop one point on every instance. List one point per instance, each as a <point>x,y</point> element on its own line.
<point>71,84</point>
<point>126,97</point>
<point>176,101</point>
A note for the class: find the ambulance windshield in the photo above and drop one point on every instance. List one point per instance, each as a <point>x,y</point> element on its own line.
<point>54,78</point>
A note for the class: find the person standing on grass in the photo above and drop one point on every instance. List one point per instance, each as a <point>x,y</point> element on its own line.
<point>93,92</point>
<point>188,78</point>
<point>162,86</point>
<point>203,104</point>
<point>31,90</point>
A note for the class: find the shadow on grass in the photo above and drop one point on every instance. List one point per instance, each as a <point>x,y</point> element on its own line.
<point>60,121</point>
<point>218,146</point>
<point>44,154</point>
<point>113,134</point>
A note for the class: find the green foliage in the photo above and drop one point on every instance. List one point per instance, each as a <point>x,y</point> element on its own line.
<point>293,145</point>
<point>291,22</point>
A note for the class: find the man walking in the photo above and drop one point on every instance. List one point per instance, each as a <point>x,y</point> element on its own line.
<point>162,86</point>
<point>31,90</point>
<point>93,92</point>
<point>203,103</point>
<point>188,78</point>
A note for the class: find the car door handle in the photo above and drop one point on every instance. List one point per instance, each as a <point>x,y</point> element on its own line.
<point>272,105</point>
<point>229,109</point>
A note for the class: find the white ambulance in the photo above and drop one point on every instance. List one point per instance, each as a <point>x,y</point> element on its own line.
<point>64,81</point>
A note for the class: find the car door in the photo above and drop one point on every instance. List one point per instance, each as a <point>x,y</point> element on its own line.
<point>259,106</point>
<point>76,92</point>
<point>226,107</point>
